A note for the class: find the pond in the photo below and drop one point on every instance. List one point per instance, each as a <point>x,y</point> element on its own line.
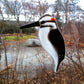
<point>26,58</point>
<point>30,59</point>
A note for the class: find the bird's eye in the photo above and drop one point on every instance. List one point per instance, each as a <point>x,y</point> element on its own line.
<point>53,20</point>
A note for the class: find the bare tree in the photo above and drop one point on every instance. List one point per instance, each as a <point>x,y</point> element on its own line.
<point>42,7</point>
<point>2,22</point>
<point>13,8</point>
<point>35,8</point>
<point>29,10</point>
<point>66,6</point>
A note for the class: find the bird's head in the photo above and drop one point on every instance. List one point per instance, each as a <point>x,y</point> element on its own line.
<point>46,21</point>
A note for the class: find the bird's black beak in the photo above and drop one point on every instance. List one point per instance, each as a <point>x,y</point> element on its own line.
<point>33,24</point>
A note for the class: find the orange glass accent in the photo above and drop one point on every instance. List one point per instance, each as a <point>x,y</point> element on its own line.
<point>53,19</point>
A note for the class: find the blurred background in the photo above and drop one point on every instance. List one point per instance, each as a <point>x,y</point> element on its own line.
<point>23,60</point>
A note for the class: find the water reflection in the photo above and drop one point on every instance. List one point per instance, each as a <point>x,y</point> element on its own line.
<point>25,56</point>
<point>29,58</point>
<point>1,49</point>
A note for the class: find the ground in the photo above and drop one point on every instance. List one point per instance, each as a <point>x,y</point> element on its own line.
<point>32,65</point>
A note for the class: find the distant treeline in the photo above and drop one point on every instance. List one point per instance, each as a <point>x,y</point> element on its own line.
<point>13,28</point>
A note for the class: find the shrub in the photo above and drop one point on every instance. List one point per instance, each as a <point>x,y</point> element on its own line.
<point>13,28</point>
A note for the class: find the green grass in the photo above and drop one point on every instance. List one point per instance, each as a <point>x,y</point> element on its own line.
<point>9,38</point>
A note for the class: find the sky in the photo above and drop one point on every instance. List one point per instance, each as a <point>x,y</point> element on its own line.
<point>80,2</point>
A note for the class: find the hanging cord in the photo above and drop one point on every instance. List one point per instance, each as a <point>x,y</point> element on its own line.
<point>58,26</point>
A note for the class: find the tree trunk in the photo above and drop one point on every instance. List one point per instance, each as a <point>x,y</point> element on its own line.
<point>21,32</point>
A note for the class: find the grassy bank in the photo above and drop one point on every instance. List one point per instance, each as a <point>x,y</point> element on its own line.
<point>9,38</point>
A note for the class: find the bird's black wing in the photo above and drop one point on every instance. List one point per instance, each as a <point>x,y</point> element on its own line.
<point>57,41</point>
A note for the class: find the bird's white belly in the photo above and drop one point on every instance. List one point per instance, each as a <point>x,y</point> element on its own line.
<point>43,37</point>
